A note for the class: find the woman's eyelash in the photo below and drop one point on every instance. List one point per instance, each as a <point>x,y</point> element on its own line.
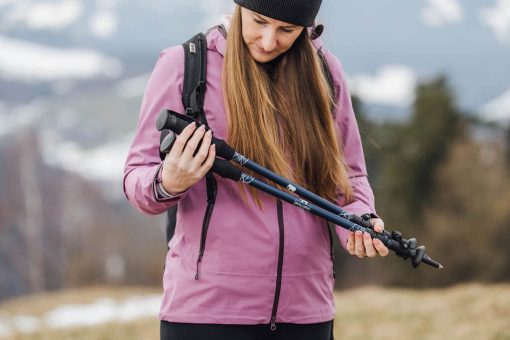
<point>287,30</point>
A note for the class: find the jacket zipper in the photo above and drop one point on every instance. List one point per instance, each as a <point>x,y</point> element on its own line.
<point>279,209</point>
<point>203,237</point>
<point>211,198</point>
<point>331,227</point>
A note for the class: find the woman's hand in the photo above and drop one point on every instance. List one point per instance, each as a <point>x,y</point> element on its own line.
<point>182,169</point>
<point>362,245</point>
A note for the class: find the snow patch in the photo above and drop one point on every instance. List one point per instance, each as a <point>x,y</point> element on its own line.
<point>132,87</point>
<point>104,163</point>
<point>31,62</point>
<point>12,120</point>
<point>104,24</point>
<point>102,310</point>
<point>498,109</point>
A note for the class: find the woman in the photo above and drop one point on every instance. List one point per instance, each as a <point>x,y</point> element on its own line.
<point>264,269</point>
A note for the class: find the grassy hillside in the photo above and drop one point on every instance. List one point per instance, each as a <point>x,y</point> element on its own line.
<point>461,312</point>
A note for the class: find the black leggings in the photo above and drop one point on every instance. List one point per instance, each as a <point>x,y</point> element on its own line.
<point>284,331</point>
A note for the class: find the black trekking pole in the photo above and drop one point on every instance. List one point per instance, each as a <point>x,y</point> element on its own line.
<point>331,212</point>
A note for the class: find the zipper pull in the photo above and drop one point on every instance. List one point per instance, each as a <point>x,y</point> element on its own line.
<point>197,275</point>
<point>273,323</point>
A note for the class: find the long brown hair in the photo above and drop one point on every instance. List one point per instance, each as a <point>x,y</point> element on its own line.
<point>283,120</point>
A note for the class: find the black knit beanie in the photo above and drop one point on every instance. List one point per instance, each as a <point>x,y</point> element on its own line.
<point>296,12</point>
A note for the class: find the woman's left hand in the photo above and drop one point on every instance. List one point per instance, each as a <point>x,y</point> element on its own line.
<point>362,245</point>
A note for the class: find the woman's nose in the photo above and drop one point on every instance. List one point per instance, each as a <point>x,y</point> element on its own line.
<point>269,40</point>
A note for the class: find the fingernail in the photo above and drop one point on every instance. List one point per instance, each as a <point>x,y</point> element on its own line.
<point>359,233</point>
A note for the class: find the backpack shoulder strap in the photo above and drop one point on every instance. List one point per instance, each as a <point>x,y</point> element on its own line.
<point>316,33</point>
<point>193,95</point>
<point>327,72</point>
<point>195,63</point>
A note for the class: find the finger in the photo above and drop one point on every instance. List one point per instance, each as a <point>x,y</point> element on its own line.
<point>182,139</point>
<point>204,149</point>
<point>192,144</point>
<point>378,224</point>
<point>381,248</point>
<point>350,244</point>
<point>359,247</point>
<point>207,165</point>
<point>369,247</point>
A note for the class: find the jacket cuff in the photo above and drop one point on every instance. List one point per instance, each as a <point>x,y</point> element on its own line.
<point>160,194</point>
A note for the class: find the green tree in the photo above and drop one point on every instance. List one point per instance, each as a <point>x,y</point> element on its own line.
<point>368,131</point>
<point>403,159</point>
<point>413,151</point>
<point>467,224</point>
<point>507,134</point>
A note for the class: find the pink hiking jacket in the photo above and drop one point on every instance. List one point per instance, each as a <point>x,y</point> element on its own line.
<point>259,266</point>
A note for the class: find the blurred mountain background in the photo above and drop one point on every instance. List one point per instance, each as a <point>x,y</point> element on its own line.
<point>431,86</point>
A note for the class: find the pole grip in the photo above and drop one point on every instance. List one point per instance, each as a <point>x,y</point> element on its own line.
<point>226,170</point>
<point>385,238</point>
<point>167,142</point>
<point>365,223</point>
<point>168,119</point>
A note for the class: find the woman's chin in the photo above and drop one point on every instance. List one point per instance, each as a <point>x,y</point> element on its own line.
<point>263,57</point>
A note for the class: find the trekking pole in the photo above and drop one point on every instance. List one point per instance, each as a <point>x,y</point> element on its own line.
<point>333,213</point>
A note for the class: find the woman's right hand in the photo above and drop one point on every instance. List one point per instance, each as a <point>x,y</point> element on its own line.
<point>180,168</point>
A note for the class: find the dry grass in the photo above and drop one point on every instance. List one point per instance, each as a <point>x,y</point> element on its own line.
<point>140,329</point>
<point>461,312</point>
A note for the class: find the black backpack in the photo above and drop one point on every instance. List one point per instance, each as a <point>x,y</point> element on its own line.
<point>195,63</point>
